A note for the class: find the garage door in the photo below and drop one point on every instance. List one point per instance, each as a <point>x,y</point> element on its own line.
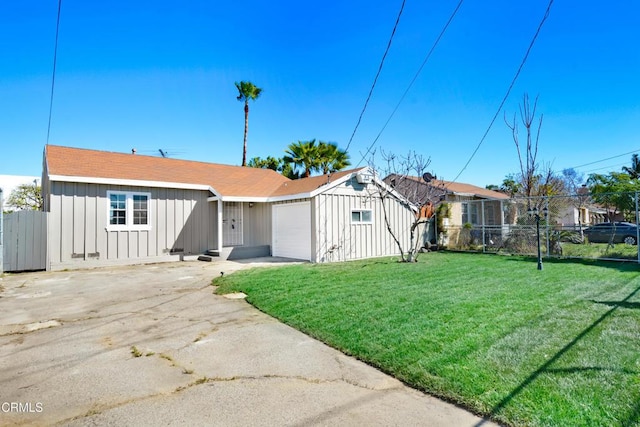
<point>292,230</point>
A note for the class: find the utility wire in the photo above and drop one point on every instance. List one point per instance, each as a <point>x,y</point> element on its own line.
<point>377,74</point>
<point>513,82</point>
<point>606,167</point>
<point>604,160</point>
<point>53,76</point>
<point>433,47</point>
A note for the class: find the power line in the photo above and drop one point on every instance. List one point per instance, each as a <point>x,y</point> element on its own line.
<point>433,47</point>
<point>377,74</point>
<point>604,160</point>
<point>53,76</point>
<point>513,82</point>
<point>605,167</point>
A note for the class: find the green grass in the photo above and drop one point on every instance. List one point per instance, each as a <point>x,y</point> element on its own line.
<point>600,250</point>
<point>525,347</point>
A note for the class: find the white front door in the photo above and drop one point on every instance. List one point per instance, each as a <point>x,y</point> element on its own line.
<point>232,224</point>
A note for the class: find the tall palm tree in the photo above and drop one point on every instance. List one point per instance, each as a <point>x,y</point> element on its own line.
<point>303,154</point>
<point>634,170</point>
<point>331,158</point>
<point>246,91</point>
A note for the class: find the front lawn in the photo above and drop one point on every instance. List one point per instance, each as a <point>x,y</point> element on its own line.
<point>526,347</point>
<point>600,250</point>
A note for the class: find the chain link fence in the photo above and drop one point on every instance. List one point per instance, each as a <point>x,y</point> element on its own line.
<point>565,226</point>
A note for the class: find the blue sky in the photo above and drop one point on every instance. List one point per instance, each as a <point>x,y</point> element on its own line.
<point>160,75</point>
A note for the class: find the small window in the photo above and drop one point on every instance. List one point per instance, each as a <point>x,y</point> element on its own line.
<point>470,213</point>
<point>361,217</point>
<point>128,210</point>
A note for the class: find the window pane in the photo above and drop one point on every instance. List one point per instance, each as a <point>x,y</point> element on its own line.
<point>355,216</point>
<point>118,217</point>
<point>118,201</point>
<point>140,211</point>
<point>139,202</point>
<point>366,216</point>
<point>140,217</point>
<point>474,213</point>
<point>117,209</point>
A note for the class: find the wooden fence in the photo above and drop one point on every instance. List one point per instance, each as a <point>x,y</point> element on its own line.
<point>24,243</point>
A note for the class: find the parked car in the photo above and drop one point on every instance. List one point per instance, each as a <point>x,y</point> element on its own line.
<point>622,232</point>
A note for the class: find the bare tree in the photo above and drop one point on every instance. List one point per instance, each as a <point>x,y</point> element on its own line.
<point>527,154</point>
<point>406,176</point>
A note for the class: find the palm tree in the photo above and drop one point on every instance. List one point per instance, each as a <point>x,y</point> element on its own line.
<point>331,158</point>
<point>634,170</point>
<point>303,154</point>
<point>247,91</point>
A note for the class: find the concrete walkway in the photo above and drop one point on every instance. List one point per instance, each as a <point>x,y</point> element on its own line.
<point>152,345</point>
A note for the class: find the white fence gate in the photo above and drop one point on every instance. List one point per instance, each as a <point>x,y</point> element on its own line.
<point>24,242</point>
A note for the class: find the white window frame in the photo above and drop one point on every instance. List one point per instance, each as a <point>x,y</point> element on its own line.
<point>360,211</point>
<point>470,210</point>
<point>128,225</point>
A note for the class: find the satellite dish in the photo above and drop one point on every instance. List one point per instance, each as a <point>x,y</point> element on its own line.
<point>427,177</point>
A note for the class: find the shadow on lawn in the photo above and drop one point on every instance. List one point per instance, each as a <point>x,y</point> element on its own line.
<point>545,368</point>
<point>623,265</point>
<point>633,418</point>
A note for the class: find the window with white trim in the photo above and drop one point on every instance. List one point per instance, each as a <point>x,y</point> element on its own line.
<point>469,213</point>
<point>361,216</point>
<point>128,210</point>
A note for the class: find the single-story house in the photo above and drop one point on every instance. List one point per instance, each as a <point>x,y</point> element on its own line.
<point>576,216</point>
<point>119,208</point>
<point>468,204</point>
<point>476,205</point>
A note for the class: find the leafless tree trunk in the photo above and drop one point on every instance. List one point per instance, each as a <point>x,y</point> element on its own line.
<point>528,154</point>
<point>406,176</point>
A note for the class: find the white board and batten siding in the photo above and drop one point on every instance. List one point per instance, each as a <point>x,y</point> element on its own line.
<point>338,238</point>
<point>180,222</point>
<point>292,230</point>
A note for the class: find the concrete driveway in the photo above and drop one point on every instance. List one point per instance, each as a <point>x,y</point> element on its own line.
<point>152,345</point>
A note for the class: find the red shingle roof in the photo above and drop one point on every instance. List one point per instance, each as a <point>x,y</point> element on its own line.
<point>307,185</point>
<point>226,180</point>
<point>461,188</point>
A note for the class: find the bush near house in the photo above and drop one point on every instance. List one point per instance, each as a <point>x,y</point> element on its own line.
<point>489,332</point>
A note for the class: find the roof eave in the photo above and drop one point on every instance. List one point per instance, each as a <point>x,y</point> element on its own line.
<point>130,182</point>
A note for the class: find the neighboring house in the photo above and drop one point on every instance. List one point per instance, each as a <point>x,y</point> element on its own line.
<point>116,208</point>
<point>573,217</point>
<point>469,204</point>
<point>476,205</point>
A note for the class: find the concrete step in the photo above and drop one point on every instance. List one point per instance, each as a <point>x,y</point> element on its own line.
<point>212,252</point>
